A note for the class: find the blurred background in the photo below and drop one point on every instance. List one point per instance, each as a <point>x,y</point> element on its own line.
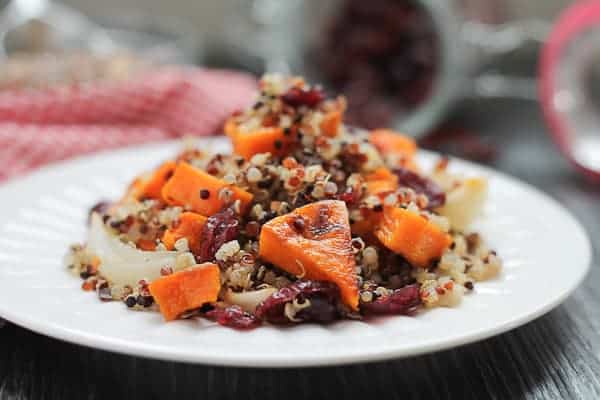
<point>412,64</point>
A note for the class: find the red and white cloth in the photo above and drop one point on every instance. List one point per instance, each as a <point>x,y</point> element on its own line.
<point>38,127</point>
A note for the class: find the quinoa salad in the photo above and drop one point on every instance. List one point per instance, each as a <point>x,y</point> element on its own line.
<point>307,220</point>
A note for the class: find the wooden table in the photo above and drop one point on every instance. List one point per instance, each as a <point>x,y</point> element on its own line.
<point>554,357</point>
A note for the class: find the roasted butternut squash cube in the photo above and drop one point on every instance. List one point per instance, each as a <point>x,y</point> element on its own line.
<point>314,242</point>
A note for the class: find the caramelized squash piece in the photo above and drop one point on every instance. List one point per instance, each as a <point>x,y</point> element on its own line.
<point>381,173</point>
<point>186,289</point>
<point>314,242</point>
<point>330,125</point>
<point>381,187</point>
<point>272,140</point>
<point>366,226</point>
<point>412,236</point>
<point>152,188</point>
<point>388,141</point>
<point>199,191</point>
<point>190,227</point>
<point>146,244</point>
<point>381,181</point>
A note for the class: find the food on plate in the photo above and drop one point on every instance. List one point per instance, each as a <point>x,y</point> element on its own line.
<point>420,241</point>
<point>185,290</point>
<point>307,220</point>
<point>314,242</point>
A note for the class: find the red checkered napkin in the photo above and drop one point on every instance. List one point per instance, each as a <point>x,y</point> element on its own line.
<point>38,127</point>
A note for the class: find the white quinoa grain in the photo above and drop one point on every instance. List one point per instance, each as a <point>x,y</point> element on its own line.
<point>370,256</point>
<point>184,260</point>
<point>372,201</point>
<point>442,292</point>
<point>390,200</point>
<point>283,208</point>
<point>422,275</point>
<point>484,270</point>
<point>412,207</point>
<point>230,179</point>
<point>318,192</point>
<point>225,194</point>
<point>257,211</point>
<point>239,276</point>
<point>330,188</point>
<point>161,247</point>
<point>354,180</point>
<point>374,160</point>
<point>366,296</point>
<point>259,159</point>
<point>285,121</point>
<point>253,175</point>
<point>182,244</point>
<point>356,215</point>
<point>237,206</point>
<point>312,172</point>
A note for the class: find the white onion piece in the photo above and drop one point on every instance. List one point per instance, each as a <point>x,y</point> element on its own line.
<point>123,264</point>
<point>248,300</point>
<point>465,203</point>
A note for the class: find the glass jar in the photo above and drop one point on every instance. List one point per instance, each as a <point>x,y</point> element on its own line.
<point>401,63</point>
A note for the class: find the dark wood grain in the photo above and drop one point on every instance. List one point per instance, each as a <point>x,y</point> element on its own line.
<point>554,357</point>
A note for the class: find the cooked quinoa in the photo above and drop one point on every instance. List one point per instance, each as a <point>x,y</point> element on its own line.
<point>401,240</point>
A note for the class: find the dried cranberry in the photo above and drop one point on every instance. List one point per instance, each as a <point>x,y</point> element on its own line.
<point>321,309</point>
<point>297,97</point>
<point>403,301</point>
<point>323,297</point>
<point>233,317</point>
<point>219,229</point>
<point>349,196</point>
<point>144,301</point>
<point>421,185</point>
<point>252,229</point>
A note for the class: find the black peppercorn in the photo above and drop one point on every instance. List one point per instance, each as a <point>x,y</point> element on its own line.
<point>204,194</point>
<point>145,301</point>
<point>130,301</point>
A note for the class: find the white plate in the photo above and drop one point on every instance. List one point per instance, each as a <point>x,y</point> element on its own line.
<point>546,255</point>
